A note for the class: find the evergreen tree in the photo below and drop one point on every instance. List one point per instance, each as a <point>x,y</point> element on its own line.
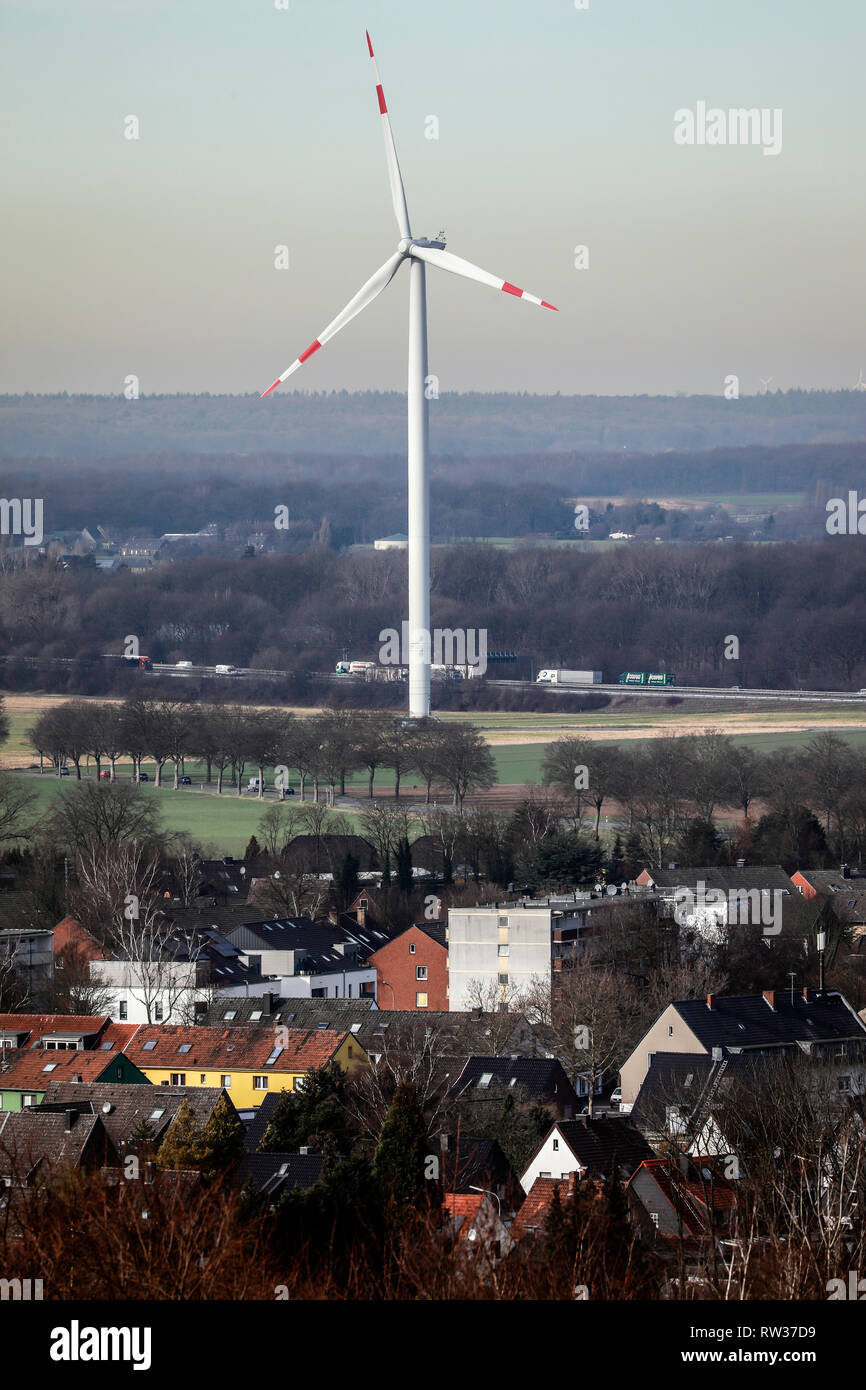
<point>253,849</point>
<point>221,1144</point>
<point>404,866</point>
<point>399,1161</point>
<point>181,1147</point>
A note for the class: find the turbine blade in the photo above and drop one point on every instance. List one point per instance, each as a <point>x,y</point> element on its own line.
<point>458,266</point>
<point>398,193</point>
<point>366,294</point>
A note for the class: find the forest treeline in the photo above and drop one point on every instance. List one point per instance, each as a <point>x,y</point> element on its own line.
<point>798,612</point>
<point>353,497</point>
<point>375,422</point>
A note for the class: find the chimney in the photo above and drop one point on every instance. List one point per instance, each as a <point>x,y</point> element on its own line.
<point>770,996</point>
<point>444,1143</point>
<point>69,1120</point>
<point>711,1001</point>
<point>807,993</point>
<point>717,1054</point>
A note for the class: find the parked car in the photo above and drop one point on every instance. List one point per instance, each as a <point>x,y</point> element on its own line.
<point>105,776</point>
<point>186,781</point>
<point>64,772</point>
<point>143,777</point>
<point>616,1098</point>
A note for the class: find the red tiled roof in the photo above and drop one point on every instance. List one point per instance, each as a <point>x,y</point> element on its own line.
<point>38,1024</point>
<point>691,1200</point>
<point>27,1071</point>
<point>534,1210</point>
<point>121,1034</point>
<point>463,1203</point>
<point>242,1047</point>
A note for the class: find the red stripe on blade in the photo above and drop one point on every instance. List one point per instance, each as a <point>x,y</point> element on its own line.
<point>512,289</point>
<point>314,347</point>
<point>270,389</point>
<point>545,305</point>
<point>369,42</point>
<point>381,95</point>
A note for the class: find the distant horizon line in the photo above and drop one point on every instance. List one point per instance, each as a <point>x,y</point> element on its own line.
<point>372,391</point>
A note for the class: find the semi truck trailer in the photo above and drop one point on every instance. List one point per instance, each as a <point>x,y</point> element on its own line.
<point>559,676</point>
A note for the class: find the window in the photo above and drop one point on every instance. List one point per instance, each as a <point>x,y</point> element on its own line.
<point>503,921</point>
<point>226,1083</point>
<point>27,1101</point>
<point>269,1061</point>
<point>51,1066</point>
<point>363,902</point>
<point>232,1013</point>
<point>485,1080</point>
<point>260,1083</point>
<point>503,979</point>
<point>149,1045</point>
<point>556,1145</point>
<point>122,1010</point>
<point>157,1012</point>
<point>670,1030</point>
<point>118,1071</point>
<point>350,1050</point>
<point>157,1114</point>
<point>202,1077</point>
<point>420,972</point>
<point>178,1078</point>
<point>300,1083</point>
<point>255,1015</point>
<point>420,1001</point>
<point>844,1083</point>
<point>411,948</point>
<point>185,1047</point>
<point>503,950</point>
<point>654,1217</point>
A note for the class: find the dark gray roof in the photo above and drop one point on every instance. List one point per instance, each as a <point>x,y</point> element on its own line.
<point>470,1162</point>
<point>132,1105</point>
<point>274,1173</point>
<point>32,1141</point>
<point>336,1014</point>
<point>331,850</point>
<point>747,1020</point>
<point>690,1081</point>
<point>600,1143</point>
<point>725,877</point>
<point>540,1077</point>
<point>324,947</point>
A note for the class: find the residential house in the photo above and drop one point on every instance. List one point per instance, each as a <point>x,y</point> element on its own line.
<point>246,1061</point>
<point>844,887</point>
<point>35,1145</point>
<point>681,1199</point>
<point>540,1080</point>
<point>176,977</point>
<point>777,1022</point>
<point>601,1146</point>
<point>711,899</point>
<point>24,1081</point>
<point>128,1111</point>
<point>480,1234</point>
<point>274,1174</point>
<point>412,969</point>
<point>306,959</point>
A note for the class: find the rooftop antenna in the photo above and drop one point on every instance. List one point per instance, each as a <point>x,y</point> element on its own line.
<point>793,975</point>
<point>418,252</point>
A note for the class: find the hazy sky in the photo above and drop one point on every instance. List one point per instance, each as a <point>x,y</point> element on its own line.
<point>259,127</point>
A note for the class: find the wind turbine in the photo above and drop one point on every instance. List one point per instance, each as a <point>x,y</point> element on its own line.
<point>765,381</point>
<point>860,384</point>
<point>419,252</point>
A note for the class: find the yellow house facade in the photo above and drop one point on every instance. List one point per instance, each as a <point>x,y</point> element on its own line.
<point>247,1062</point>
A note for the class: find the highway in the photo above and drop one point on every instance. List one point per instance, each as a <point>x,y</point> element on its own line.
<point>679,692</point>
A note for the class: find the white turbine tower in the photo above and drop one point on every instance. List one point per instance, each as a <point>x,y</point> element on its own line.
<point>419,252</point>
<point>860,384</point>
<point>765,382</point>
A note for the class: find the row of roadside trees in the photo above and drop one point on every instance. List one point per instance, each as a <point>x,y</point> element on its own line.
<point>229,739</point>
